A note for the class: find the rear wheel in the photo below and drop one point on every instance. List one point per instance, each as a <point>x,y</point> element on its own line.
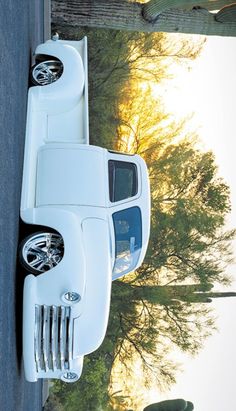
<point>46,72</point>
<point>41,251</point>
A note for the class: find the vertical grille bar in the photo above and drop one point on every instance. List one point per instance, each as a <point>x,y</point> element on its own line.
<point>54,338</point>
<point>37,336</point>
<point>46,336</point>
<point>62,337</point>
<point>69,336</point>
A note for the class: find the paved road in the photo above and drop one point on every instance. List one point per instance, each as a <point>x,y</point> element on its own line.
<point>21,29</point>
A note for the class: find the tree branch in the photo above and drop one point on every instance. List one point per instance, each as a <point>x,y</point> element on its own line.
<point>153,8</point>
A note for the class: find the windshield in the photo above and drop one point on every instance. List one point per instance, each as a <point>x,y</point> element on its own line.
<point>128,240</point>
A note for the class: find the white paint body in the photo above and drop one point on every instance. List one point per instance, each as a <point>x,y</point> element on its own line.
<point>66,187</point>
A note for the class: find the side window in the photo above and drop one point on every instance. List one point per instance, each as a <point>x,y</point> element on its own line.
<point>128,240</point>
<point>122,180</point>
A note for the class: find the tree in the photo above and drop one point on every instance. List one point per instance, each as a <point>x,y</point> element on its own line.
<point>189,209</point>
<point>189,201</point>
<point>175,16</point>
<point>164,303</point>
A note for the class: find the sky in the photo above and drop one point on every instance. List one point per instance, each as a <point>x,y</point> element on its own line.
<point>209,90</point>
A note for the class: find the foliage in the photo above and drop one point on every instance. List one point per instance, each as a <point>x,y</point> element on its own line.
<point>89,393</point>
<point>188,213</point>
<point>116,57</point>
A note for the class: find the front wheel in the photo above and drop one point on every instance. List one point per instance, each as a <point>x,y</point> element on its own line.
<point>41,251</point>
<point>46,72</point>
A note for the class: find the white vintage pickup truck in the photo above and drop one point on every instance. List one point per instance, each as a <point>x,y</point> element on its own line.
<point>91,211</point>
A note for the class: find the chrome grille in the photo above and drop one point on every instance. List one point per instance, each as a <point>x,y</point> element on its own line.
<point>53,338</point>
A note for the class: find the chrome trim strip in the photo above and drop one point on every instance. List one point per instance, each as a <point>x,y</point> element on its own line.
<point>46,336</point>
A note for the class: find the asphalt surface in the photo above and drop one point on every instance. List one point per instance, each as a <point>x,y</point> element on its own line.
<point>21,29</point>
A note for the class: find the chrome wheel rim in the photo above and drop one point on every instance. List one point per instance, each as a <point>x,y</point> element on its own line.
<point>46,72</point>
<point>43,251</point>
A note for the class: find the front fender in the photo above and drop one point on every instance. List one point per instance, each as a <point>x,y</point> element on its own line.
<point>69,275</point>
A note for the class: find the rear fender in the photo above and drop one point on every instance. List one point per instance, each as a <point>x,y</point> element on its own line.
<point>69,87</point>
